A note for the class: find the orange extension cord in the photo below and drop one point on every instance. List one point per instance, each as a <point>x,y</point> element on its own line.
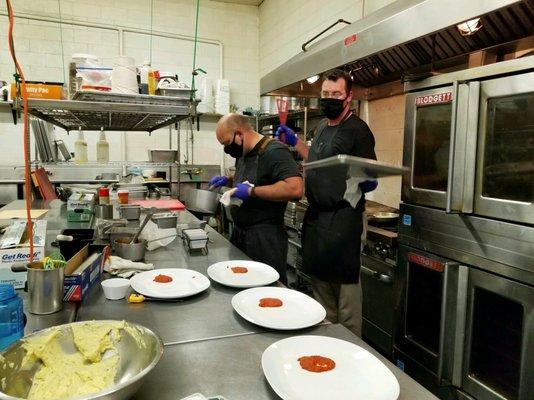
<point>27,177</point>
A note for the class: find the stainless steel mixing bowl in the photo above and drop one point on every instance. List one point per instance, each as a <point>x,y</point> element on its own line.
<point>135,363</point>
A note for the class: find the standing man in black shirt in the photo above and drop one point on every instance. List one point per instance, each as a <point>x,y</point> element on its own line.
<point>273,179</point>
<point>333,224</point>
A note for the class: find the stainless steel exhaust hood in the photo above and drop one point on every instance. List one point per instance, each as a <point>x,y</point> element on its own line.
<point>406,36</point>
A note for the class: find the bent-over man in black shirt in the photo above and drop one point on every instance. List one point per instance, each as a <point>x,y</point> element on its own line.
<point>273,179</point>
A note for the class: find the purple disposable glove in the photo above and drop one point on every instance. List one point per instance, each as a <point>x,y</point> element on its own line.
<point>218,181</point>
<point>243,191</point>
<point>286,135</point>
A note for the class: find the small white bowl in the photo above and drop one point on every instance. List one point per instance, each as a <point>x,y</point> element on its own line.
<point>115,288</point>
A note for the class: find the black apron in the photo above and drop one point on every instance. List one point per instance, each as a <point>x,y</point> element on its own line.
<point>266,243</point>
<point>332,228</point>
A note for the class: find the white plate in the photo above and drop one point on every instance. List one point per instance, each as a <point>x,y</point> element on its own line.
<point>297,312</point>
<point>358,374</point>
<point>185,282</point>
<point>258,274</point>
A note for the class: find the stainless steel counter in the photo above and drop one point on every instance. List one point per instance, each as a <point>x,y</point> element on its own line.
<point>57,220</point>
<point>231,367</point>
<point>208,347</point>
<point>38,322</point>
<point>207,315</point>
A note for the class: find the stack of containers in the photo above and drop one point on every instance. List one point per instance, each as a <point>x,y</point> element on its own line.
<point>222,97</point>
<point>204,86</point>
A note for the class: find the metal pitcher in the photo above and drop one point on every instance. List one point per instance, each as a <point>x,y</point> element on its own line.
<point>45,287</point>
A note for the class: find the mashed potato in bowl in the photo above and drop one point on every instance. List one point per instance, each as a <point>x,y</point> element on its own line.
<point>78,360</point>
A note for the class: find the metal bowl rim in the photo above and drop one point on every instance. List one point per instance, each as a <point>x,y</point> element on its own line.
<point>113,389</point>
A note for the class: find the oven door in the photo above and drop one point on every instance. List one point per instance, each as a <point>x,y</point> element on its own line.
<point>436,146</point>
<point>505,161</point>
<point>427,288</point>
<point>499,338</point>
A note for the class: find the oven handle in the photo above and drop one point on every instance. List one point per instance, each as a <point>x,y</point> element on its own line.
<point>452,149</point>
<point>384,278</point>
<point>445,289</point>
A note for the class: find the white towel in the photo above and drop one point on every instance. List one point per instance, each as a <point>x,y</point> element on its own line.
<point>125,268</point>
<point>226,198</point>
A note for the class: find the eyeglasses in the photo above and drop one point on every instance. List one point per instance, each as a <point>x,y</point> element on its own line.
<point>332,95</point>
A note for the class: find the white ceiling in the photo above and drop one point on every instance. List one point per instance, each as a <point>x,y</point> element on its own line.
<point>246,2</point>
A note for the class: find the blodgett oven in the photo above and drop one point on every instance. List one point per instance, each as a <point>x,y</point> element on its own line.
<point>465,276</point>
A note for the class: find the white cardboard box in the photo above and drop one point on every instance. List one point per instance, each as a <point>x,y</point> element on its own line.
<point>21,253</point>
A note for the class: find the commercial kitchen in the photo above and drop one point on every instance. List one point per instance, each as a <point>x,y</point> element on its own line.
<point>267,199</point>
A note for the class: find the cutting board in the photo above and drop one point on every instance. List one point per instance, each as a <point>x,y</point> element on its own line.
<point>20,214</point>
<point>160,204</point>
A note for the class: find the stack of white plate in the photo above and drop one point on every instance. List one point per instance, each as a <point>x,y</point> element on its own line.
<point>204,86</point>
<point>185,283</point>
<point>222,97</point>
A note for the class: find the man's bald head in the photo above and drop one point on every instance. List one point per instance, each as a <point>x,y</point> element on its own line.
<point>230,125</point>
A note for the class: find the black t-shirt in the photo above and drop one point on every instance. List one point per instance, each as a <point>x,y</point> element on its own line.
<point>326,188</point>
<point>275,163</point>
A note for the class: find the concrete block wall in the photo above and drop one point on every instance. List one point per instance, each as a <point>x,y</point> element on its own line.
<point>39,50</point>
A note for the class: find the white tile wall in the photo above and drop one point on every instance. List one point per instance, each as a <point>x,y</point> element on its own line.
<point>286,25</point>
<point>39,51</point>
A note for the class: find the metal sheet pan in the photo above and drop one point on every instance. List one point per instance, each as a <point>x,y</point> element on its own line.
<point>358,167</point>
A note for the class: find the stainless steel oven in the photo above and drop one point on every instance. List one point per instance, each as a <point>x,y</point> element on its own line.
<point>465,304</point>
<point>505,161</point>
<point>469,142</point>
<point>427,287</point>
<point>498,356</point>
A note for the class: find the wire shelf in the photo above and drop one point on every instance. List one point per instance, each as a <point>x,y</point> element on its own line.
<point>110,164</point>
<point>112,116</point>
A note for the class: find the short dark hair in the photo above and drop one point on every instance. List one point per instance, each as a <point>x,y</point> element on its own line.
<point>336,74</point>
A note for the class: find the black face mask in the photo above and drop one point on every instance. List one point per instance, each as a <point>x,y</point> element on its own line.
<point>233,149</point>
<point>332,108</point>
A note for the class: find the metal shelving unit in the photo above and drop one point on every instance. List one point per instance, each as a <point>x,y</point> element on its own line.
<point>93,115</point>
<point>110,164</point>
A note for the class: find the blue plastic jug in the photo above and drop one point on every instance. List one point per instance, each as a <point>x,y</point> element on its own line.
<point>11,316</point>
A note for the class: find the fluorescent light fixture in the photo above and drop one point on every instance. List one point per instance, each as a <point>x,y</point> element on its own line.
<point>312,79</point>
<point>469,27</point>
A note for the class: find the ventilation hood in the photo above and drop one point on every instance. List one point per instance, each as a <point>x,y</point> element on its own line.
<point>408,36</point>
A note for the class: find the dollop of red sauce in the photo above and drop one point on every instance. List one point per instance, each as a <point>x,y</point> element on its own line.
<point>317,363</point>
<point>239,270</point>
<point>270,302</point>
<point>162,278</point>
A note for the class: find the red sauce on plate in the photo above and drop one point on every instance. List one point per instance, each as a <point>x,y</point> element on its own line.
<point>162,278</point>
<point>270,302</point>
<point>239,270</point>
<point>317,363</point>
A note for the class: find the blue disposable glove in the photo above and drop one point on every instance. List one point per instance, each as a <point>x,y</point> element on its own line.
<point>243,191</point>
<point>286,135</point>
<point>218,181</point>
<point>368,186</point>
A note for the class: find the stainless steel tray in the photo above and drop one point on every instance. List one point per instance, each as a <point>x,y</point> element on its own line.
<point>358,167</point>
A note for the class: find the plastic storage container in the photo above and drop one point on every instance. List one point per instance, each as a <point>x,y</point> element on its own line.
<point>11,316</point>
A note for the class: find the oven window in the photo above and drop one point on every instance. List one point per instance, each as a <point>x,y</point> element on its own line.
<point>423,307</point>
<point>495,358</point>
<point>508,161</point>
<point>432,141</point>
